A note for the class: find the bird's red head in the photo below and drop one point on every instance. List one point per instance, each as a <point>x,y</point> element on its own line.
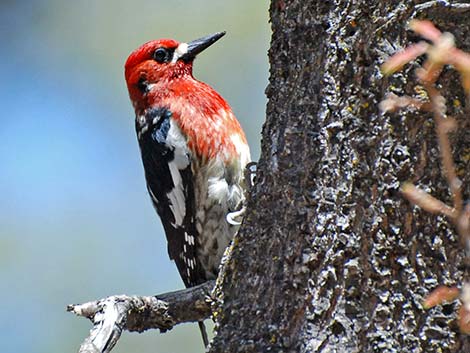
<point>159,61</point>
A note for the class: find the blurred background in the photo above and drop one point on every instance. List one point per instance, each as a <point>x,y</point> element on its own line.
<point>76,223</point>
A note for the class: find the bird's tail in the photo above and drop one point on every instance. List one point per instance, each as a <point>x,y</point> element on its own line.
<point>202,328</point>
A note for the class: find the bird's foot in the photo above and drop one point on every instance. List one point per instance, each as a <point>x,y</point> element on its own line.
<point>235,218</point>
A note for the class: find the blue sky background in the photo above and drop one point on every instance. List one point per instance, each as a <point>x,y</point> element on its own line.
<point>76,223</point>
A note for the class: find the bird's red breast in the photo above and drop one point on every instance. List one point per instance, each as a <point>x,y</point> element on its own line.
<point>203,115</point>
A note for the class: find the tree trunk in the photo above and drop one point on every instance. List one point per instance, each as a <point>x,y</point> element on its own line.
<point>331,258</point>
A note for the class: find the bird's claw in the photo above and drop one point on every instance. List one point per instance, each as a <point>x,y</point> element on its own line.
<point>231,217</point>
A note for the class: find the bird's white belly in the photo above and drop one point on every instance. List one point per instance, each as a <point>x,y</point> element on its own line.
<point>215,200</point>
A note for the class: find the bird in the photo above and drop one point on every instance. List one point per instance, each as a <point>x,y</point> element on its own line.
<point>194,153</point>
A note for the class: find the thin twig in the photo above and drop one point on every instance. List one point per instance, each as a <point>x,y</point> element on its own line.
<point>445,147</point>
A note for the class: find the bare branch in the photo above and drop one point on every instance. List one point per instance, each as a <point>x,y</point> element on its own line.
<point>112,315</point>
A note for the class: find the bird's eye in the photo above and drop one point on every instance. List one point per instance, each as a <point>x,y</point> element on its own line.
<point>161,55</point>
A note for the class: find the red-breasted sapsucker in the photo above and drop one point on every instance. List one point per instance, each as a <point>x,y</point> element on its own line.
<point>194,154</point>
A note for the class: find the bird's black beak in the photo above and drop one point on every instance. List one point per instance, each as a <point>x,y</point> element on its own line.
<point>198,45</point>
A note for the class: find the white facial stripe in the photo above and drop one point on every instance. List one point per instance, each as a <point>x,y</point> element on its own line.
<point>180,51</point>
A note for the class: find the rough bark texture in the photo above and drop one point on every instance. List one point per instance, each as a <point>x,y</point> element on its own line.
<point>331,258</point>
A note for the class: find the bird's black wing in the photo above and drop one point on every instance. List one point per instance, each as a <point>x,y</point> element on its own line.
<point>167,165</point>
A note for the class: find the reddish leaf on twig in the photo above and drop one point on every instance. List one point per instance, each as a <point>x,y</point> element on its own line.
<point>425,29</point>
<point>398,60</point>
<point>425,201</point>
<point>441,295</point>
<point>461,61</point>
<point>393,102</point>
<point>464,320</point>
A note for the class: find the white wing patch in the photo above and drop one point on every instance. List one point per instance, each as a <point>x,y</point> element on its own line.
<point>189,238</point>
<point>177,142</point>
<point>176,195</point>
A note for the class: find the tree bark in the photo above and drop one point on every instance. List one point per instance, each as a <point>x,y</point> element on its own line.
<point>330,257</point>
